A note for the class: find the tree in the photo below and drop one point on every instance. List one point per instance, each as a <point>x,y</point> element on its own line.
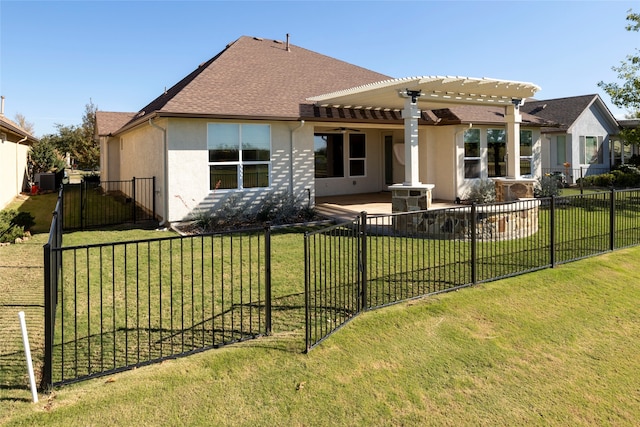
<point>23,123</point>
<point>44,158</point>
<point>627,94</point>
<point>79,141</point>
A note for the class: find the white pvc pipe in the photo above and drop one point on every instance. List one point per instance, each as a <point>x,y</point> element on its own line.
<point>27,353</point>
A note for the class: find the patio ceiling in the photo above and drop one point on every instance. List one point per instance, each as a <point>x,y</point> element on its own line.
<point>436,92</point>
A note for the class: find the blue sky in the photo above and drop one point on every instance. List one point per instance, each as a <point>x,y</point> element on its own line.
<point>55,56</point>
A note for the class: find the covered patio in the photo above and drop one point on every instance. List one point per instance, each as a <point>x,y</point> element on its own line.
<point>349,206</point>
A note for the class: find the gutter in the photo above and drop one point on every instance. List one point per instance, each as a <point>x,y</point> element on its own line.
<point>165,175</point>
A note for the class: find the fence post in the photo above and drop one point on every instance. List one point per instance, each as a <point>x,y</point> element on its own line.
<point>552,231</point>
<point>153,197</point>
<point>581,180</point>
<point>267,278</point>
<point>474,254</point>
<point>307,291</point>
<point>612,219</point>
<point>133,197</point>
<point>47,371</point>
<point>83,185</point>
<point>362,261</point>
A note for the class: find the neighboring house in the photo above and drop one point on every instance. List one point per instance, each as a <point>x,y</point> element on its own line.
<point>266,116</point>
<point>585,137</point>
<point>15,143</point>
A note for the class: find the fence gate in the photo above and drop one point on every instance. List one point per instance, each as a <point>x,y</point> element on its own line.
<point>95,203</point>
<point>334,278</point>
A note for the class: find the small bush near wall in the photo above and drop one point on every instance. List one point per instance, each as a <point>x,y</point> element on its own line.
<point>14,225</point>
<point>482,191</point>
<point>547,186</point>
<point>276,208</point>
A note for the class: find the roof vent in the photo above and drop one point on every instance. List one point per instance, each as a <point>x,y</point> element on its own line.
<point>288,48</point>
<point>258,38</point>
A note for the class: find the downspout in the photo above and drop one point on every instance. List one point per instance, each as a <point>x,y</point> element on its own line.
<point>17,168</point>
<point>165,175</point>
<point>455,158</point>
<point>291,156</point>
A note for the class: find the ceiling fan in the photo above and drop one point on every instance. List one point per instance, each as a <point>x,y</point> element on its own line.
<point>344,130</point>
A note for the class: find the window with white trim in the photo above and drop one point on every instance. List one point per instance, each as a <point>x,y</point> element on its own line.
<point>472,153</point>
<point>496,152</point>
<point>239,155</point>
<point>526,151</point>
<point>590,149</point>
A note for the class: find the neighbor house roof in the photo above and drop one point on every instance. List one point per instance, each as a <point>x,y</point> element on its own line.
<point>107,122</point>
<point>565,111</point>
<point>9,126</point>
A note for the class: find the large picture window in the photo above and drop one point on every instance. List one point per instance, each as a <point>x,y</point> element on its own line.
<point>329,155</point>
<point>239,155</point>
<point>526,151</point>
<point>472,153</point>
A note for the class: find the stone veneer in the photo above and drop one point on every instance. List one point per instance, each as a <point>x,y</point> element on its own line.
<point>508,189</point>
<point>493,222</point>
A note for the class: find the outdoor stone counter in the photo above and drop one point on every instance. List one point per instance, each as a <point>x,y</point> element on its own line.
<point>493,222</point>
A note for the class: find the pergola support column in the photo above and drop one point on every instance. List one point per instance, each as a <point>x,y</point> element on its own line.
<point>513,119</point>
<point>411,114</point>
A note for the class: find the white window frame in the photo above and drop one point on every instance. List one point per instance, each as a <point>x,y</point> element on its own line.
<point>583,150</point>
<point>477,158</point>
<point>527,158</point>
<point>240,163</point>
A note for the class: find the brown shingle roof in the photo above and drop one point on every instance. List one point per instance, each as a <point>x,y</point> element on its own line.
<point>16,129</point>
<point>259,78</point>
<point>108,122</point>
<point>482,115</point>
<point>563,111</point>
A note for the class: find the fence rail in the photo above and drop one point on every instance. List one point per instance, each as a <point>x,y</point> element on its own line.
<point>407,255</point>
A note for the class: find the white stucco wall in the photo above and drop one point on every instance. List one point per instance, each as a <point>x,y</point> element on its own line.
<point>141,156</point>
<point>590,123</point>
<point>13,166</point>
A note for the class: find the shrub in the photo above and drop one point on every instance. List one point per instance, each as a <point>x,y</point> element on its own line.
<point>482,191</point>
<point>547,186</point>
<point>13,224</point>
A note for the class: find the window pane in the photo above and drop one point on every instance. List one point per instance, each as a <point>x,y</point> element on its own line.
<point>526,142</point>
<point>329,155</point>
<point>591,149</point>
<point>255,176</point>
<point>357,146</point>
<point>496,152</point>
<point>525,167</point>
<point>472,168</point>
<point>256,142</point>
<point>223,177</point>
<point>472,143</point>
<point>356,167</point>
<point>223,141</point>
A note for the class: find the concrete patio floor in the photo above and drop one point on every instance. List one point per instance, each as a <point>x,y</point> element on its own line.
<point>349,206</point>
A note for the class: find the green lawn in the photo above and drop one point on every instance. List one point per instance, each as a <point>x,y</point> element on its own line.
<point>555,347</point>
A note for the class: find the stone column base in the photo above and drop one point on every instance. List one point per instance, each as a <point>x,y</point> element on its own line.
<point>509,189</point>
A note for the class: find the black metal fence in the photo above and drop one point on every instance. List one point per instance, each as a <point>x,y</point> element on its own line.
<point>114,306</point>
<point>95,203</point>
<point>120,305</point>
<point>374,261</point>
